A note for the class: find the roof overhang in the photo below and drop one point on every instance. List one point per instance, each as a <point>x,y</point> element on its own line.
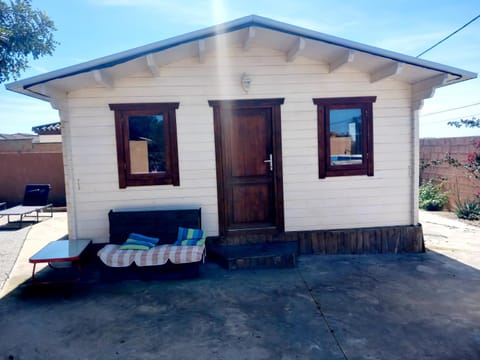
<point>48,129</point>
<point>380,64</point>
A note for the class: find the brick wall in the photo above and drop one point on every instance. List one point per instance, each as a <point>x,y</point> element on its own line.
<point>22,163</point>
<point>27,145</point>
<point>458,182</point>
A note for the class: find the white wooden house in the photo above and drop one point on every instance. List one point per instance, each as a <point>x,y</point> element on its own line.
<point>277,132</point>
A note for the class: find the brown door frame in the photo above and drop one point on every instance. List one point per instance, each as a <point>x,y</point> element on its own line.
<point>274,106</point>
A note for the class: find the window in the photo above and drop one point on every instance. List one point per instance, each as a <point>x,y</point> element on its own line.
<point>345,136</point>
<point>146,144</point>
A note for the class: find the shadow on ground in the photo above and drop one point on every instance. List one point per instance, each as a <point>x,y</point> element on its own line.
<point>408,306</point>
<point>16,225</point>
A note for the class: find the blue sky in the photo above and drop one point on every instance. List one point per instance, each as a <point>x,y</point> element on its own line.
<point>88,29</point>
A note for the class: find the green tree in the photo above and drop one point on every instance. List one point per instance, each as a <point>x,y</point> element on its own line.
<point>24,32</point>
<point>469,123</point>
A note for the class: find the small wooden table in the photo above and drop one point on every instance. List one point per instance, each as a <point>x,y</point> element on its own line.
<point>60,251</point>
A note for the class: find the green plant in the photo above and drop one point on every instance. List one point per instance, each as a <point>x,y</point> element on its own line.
<point>25,33</point>
<point>432,197</point>
<point>468,209</point>
<point>472,165</point>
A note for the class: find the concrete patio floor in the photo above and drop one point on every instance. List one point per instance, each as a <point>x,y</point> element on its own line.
<point>407,306</point>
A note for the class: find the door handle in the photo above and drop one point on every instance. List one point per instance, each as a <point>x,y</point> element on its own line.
<point>270,162</point>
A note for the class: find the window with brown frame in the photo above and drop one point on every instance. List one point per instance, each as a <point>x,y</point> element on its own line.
<point>345,136</point>
<point>146,144</point>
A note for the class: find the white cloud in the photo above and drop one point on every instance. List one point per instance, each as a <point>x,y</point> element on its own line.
<point>409,43</point>
<point>38,69</point>
<point>125,2</point>
<point>450,103</point>
<point>441,130</point>
<point>19,114</point>
<point>189,12</point>
<point>320,25</point>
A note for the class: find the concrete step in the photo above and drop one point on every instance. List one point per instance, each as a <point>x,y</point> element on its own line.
<point>255,256</point>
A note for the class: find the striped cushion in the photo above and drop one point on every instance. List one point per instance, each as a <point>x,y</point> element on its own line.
<point>190,237</point>
<point>139,242</point>
<point>134,246</point>
<point>111,255</point>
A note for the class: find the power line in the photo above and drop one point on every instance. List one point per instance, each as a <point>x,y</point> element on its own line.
<point>451,109</point>
<point>445,120</point>
<point>449,36</point>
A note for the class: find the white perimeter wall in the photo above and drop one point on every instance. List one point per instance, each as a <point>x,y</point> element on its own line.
<point>310,203</point>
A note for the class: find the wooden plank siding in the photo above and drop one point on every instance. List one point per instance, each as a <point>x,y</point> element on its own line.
<point>375,240</point>
<point>310,203</point>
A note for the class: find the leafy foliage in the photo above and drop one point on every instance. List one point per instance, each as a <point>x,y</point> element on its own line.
<point>471,165</point>
<point>473,159</point>
<point>432,197</point>
<point>469,210</point>
<point>469,123</point>
<point>425,164</point>
<point>24,32</point>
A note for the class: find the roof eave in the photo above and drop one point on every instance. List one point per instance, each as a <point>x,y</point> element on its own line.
<point>23,86</point>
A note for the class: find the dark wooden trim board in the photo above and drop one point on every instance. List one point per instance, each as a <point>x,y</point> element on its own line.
<point>374,240</point>
<point>171,174</point>
<point>324,105</point>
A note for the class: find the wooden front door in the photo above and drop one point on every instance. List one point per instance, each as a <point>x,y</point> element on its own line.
<point>249,165</point>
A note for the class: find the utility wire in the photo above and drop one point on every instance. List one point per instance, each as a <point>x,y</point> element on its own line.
<point>449,36</point>
<point>451,109</point>
<point>445,120</point>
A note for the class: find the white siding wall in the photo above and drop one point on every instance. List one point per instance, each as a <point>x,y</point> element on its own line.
<point>310,203</point>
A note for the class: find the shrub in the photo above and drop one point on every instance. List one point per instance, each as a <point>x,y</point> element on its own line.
<point>432,197</point>
<point>469,210</point>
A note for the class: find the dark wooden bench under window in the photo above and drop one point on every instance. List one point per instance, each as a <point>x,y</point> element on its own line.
<point>159,223</point>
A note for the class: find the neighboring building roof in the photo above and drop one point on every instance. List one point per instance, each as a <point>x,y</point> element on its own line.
<point>246,32</point>
<point>17,136</point>
<point>48,129</point>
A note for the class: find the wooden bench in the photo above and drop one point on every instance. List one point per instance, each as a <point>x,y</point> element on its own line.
<point>165,259</point>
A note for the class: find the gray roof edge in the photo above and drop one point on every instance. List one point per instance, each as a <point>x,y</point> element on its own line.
<point>353,45</point>
<point>127,55</point>
<point>22,86</point>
